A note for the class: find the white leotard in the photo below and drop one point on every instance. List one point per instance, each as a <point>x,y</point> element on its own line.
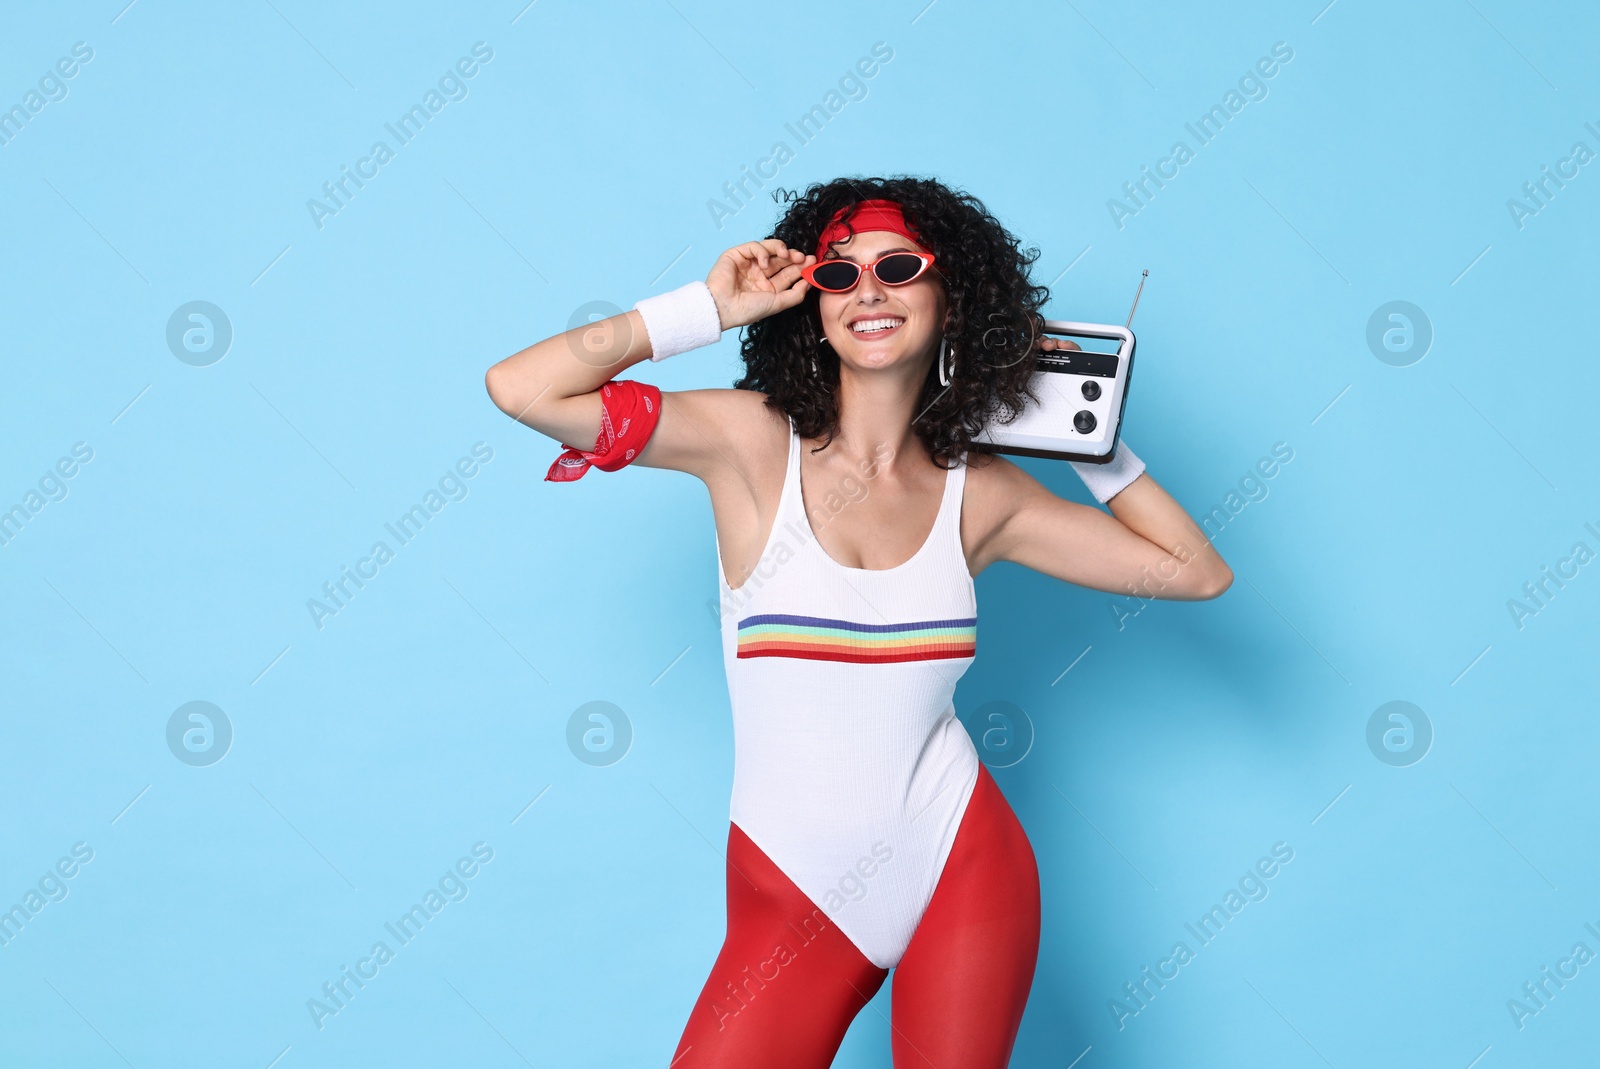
<point>851,771</point>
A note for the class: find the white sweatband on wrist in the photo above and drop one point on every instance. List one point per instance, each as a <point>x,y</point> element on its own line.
<point>682,319</point>
<point>1105,481</point>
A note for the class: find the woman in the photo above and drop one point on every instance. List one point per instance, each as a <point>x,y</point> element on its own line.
<point>865,834</point>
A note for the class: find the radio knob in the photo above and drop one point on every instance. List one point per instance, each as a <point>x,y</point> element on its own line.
<point>1084,421</point>
<point>1091,391</point>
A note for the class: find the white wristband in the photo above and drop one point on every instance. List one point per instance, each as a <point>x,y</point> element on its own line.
<point>682,319</point>
<point>1105,481</point>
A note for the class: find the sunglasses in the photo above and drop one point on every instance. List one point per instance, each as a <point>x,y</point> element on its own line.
<point>841,276</point>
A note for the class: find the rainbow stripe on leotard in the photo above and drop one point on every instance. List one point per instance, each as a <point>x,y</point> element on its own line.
<point>818,638</point>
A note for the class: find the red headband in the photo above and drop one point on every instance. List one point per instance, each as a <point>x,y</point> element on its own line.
<point>870,215</point>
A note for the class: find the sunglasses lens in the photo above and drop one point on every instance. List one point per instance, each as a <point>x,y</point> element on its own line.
<point>836,275</point>
<point>898,268</point>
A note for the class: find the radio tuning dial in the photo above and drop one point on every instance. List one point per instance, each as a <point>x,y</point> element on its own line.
<point>1084,421</point>
<point>1091,391</point>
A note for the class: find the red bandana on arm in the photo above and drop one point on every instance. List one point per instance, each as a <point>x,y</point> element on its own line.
<point>628,415</point>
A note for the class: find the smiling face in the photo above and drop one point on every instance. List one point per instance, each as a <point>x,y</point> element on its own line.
<point>906,321</point>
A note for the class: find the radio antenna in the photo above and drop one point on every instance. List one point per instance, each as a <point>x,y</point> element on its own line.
<point>1135,307</point>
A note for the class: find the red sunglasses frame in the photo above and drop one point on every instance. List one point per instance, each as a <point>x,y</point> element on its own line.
<point>809,271</point>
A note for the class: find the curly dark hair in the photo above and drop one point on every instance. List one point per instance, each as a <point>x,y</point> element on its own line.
<point>993,327</point>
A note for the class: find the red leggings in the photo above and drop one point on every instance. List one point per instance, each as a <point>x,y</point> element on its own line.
<point>788,982</point>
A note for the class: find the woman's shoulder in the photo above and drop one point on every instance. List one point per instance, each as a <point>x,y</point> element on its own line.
<point>995,488</point>
<point>998,483</point>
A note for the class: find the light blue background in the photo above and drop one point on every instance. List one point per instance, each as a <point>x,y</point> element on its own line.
<point>429,713</point>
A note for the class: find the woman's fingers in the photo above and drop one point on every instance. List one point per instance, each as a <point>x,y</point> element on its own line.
<point>764,249</point>
<point>792,295</point>
<point>779,253</point>
<point>790,260</point>
<point>766,266</point>
<point>787,277</point>
<point>745,253</point>
<point>758,278</point>
<point>763,252</point>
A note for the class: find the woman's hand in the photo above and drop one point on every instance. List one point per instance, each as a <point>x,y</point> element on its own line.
<point>755,280</point>
<point>1048,343</point>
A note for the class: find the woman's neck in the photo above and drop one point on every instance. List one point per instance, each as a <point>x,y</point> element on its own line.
<point>876,410</point>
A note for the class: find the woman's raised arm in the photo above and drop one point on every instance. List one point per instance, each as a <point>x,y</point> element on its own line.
<point>554,385</point>
<point>1148,545</point>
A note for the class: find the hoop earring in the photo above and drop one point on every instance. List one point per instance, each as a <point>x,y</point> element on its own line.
<point>812,356</point>
<point>944,378</point>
